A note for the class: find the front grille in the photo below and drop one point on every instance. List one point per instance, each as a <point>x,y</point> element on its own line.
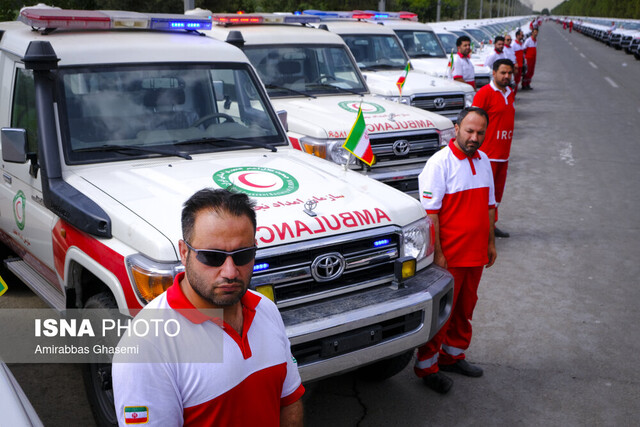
<point>420,146</point>
<point>326,348</point>
<point>441,104</point>
<point>367,261</point>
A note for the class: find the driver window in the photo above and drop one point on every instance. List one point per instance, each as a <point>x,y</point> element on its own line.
<point>23,111</point>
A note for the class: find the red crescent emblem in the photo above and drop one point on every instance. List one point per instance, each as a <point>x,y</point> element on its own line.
<point>243,179</point>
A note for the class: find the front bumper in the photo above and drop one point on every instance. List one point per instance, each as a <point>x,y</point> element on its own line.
<point>343,333</point>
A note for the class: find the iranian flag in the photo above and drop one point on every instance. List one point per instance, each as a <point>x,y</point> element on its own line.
<point>136,414</point>
<point>403,78</point>
<point>358,140</point>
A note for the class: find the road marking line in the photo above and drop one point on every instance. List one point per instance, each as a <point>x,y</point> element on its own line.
<point>593,65</point>
<point>611,82</point>
<point>582,54</point>
<point>575,47</point>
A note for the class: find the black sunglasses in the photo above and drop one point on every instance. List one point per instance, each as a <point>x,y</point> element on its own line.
<point>215,258</point>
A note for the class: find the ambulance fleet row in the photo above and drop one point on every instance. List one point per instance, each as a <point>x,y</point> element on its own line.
<point>621,34</point>
<point>111,120</point>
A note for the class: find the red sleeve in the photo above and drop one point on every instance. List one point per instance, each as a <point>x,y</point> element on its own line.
<point>293,397</point>
<point>480,99</point>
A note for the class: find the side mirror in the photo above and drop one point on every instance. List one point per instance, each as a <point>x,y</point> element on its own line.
<point>14,145</point>
<point>282,115</point>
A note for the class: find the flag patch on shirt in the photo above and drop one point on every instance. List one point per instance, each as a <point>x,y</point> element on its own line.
<point>136,414</point>
<point>427,195</point>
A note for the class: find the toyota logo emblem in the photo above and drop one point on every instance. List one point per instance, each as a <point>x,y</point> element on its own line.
<point>401,147</point>
<point>439,103</point>
<point>327,267</point>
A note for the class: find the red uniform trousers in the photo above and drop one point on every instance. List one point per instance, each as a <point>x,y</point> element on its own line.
<point>531,67</point>
<point>499,170</point>
<point>449,344</point>
<point>517,76</point>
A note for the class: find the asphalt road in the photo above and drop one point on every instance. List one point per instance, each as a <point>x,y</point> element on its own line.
<point>557,325</point>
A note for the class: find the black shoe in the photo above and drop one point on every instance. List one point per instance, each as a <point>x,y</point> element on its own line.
<point>500,233</point>
<point>464,368</point>
<point>438,382</point>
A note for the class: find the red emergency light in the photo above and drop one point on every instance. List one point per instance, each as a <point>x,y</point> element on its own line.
<point>241,18</point>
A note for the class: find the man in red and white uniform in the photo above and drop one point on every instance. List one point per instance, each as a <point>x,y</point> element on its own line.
<point>518,47</point>
<point>254,379</point>
<point>456,188</point>
<point>462,67</point>
<point>530,48</point>
<point>497,99</point>
<point>498,52</point>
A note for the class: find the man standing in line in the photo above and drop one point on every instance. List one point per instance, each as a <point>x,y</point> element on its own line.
<point>257,381</point>
<point>462,67</point>
<point>456,188</point>
<point>530,48</point>
<point>497,100</point>
<point>498,52</point>
<point>510,53</point>
<point>517,49</point>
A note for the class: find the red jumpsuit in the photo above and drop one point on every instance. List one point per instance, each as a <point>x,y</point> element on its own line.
<point>517,48</point>
<point>530,51</point>
<point>459,189</point>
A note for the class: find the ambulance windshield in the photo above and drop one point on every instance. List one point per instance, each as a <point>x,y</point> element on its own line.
<point>305,70</point>
<point>115,113</point>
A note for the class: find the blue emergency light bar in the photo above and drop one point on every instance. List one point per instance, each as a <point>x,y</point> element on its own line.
<point>162,21</point>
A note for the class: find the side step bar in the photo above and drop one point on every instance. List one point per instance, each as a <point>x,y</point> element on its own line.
<point>36,282</point>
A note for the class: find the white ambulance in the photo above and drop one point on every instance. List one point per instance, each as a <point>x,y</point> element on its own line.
<point>382,59</point>
<point>111,120</point>
<point>312,75</point>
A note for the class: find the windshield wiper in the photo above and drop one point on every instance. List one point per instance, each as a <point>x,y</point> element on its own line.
<point>126,149</point>
<point>298,92</point>
<point>341,89</point>
<point>384,67</point>
<point>427,55</point>
<point>209,140</point>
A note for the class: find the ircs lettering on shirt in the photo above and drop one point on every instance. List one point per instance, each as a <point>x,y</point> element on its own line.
<point>503,134</point>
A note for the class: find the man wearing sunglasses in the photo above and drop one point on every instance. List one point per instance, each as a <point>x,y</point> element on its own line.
<point>257,382</point>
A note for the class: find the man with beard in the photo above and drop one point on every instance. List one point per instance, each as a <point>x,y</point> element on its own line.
<point>256,382</point>
<point>462,68</point>
<point>498,52</point>
<point>456,190</point>
<point>497,100</point>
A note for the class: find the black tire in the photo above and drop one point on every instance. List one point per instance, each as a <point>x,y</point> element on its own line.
<point>385,369</point>
<point>97,376</point>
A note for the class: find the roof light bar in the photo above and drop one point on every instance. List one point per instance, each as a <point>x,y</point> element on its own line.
<point>410,16</point>
<point>166,21</point>
<point>299,19</point>
<point>328,14</point>
<point>60,18</point>
<point>232,18</point>
<point>124,19</point>
<point>358,14</point>
<point>104,20</point>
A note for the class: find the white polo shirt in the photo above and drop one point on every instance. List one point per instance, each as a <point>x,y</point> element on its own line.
<point>463,68</point>
<point>256,377</point>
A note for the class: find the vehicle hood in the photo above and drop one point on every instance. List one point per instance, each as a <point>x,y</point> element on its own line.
<point>144,199</point>
<point>333,116</point>
<point>384,83</point>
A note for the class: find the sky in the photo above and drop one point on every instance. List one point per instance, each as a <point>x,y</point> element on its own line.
<point>541,4</point>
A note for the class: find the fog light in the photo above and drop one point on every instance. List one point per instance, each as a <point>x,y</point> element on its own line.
<point>267,291</point>
<point>404,268</point>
